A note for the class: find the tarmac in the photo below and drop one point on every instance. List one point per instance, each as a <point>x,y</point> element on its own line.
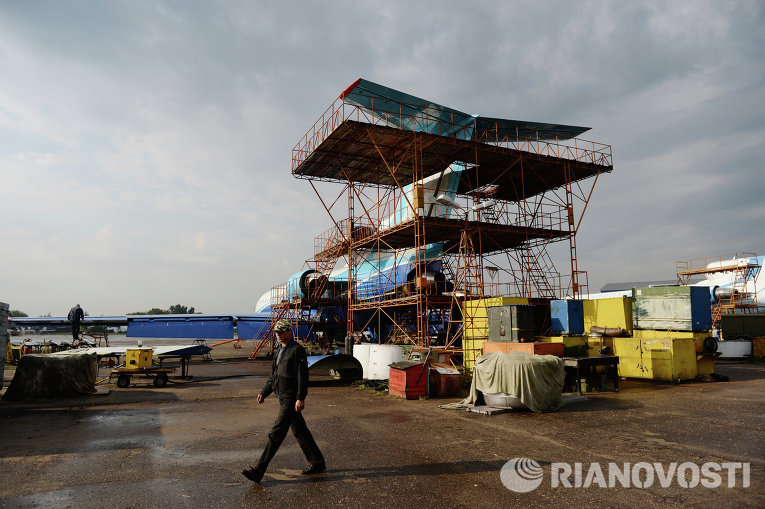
<point>185,445</point>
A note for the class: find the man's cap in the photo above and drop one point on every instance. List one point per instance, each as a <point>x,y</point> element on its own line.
<point>282,326</point>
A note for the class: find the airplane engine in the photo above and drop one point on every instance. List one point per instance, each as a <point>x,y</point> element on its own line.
<point>434,281</point>
<point>312,281</point>
<point>719,293</point>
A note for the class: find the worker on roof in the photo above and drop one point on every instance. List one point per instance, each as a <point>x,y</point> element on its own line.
<point>76,314</point>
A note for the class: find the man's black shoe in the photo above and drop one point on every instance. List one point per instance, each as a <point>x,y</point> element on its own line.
<point>253,474</point>
<point>315,469</point>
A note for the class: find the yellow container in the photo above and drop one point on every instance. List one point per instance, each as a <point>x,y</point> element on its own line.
<point>656,358</point>
<point>616,312</point>
<point>476,310</point>
<point>669,359</point>
<point>705,363</point>
<point>138,357</point>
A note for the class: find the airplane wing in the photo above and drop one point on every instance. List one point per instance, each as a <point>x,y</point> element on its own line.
<point>159,351</point>
<point>197,326</point>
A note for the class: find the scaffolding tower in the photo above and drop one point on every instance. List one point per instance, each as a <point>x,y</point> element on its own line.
<point>429,193</point>
<point>736,292</point>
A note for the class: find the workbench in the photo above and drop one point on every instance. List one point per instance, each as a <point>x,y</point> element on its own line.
<point>584,366</point>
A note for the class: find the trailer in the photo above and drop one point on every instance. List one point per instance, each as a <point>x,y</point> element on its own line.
<point>156,374</point>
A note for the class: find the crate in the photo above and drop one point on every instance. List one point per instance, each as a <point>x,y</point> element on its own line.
<point>657,359</point>
<point>511,323</point>
<point>573,346</point>
<point>477,309</point>
<point>139,357</point>
<point>675,308</point>
<point>408,379</point>
<point>444,380</point>
<point>613,312</point>
<point>567,316</point>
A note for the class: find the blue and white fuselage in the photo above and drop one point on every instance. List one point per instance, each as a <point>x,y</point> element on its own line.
<point>377,273</point>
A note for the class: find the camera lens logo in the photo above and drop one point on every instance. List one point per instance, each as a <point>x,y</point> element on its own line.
<point>521,475</point>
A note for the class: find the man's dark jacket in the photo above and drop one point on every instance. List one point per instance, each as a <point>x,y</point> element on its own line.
<point>76,314</point>
<point>289,378</point>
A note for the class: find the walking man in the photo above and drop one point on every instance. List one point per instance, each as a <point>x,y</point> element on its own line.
<point>289,380</point>
<point>75,315</point>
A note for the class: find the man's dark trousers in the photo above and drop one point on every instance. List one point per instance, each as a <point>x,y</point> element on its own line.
<point>289,418</point>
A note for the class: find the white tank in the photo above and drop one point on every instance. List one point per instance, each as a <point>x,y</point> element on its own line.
<point>732,349</point>
<point>380,357</point>
<point>361,354</point>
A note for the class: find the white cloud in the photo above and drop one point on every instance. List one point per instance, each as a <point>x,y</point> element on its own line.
<point>147,150</point>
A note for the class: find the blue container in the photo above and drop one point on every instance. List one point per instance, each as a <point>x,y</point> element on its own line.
<point>567,316</point>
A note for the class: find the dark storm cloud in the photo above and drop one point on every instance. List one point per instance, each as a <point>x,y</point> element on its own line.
<point>176,121</point>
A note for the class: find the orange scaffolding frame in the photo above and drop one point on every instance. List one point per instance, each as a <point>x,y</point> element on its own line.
<point>519,195</point>
<point>737,298</point>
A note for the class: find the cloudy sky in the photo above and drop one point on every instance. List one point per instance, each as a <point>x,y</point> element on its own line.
<point>145,146</point>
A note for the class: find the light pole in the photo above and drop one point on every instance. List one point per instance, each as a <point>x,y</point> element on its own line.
<point>492,273</point>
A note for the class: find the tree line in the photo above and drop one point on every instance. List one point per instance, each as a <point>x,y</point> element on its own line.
<point>175,309</point>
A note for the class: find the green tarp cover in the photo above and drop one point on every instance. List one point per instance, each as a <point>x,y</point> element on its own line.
<point>53,376</point>
<point>537,380</point>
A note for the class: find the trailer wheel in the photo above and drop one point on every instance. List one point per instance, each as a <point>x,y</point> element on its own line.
<point>123,381</point>
<point>160,380</point>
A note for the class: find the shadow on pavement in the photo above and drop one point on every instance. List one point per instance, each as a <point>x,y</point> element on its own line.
<point>420,469</point>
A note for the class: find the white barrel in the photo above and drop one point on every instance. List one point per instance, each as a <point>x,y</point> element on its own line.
<point>380,358</point>
<point>361,354</point>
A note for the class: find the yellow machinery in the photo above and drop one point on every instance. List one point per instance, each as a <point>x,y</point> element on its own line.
<point>138,358</point>
<point>477,310</point>
<point>615,312</point>
<point>476,335</point>
<point>705,361</point>
<point>139,364</point>
<point>656,358</point>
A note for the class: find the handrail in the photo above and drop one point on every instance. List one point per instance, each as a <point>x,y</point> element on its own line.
<point>574,149</point>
